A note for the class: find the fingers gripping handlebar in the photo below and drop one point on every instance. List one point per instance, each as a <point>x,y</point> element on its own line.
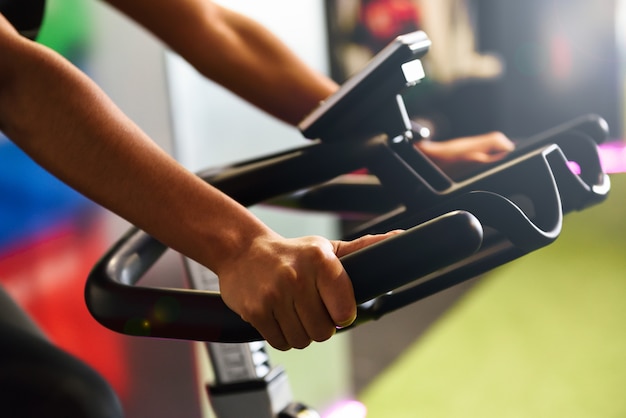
<point>189,314</point>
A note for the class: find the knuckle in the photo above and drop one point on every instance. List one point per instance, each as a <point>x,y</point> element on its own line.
<point>286,274</point>
<point>257,313</point>
<point>315,252</point>
<point>285,347</point>
<point>324,335</point>
<point>278,342</point>
<point>301,343</point>
<point>251,314</point>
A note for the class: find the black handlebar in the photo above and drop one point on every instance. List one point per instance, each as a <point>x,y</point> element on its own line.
<point>455,230</point>
<point>473,227</point>
<point>191,314</point>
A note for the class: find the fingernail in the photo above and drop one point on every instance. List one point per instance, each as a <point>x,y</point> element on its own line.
<point>346,323</point>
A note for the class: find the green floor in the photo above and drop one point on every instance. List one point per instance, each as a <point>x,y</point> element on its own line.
<point>544,336</point>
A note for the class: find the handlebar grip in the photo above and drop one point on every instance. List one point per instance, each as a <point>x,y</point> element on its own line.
<point>197,315</point>
<point>593,126</point>
<point>417,252</point>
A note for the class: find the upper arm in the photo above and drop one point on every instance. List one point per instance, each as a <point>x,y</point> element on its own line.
<point>19,57</point>
<point>236,52</point>
<point>17,18</point>
<point>8,39</point>
<point>177,22</point>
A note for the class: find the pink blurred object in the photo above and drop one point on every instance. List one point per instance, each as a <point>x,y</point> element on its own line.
<point>347,409</point>
<point>613,157</point>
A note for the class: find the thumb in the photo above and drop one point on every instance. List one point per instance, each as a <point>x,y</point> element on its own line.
<point>346,247</point>
<point>342,312</point>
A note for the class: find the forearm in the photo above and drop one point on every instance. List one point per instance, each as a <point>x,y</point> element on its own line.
<point>235,52</point>
<point>66,124</point>
<point>292,290</point>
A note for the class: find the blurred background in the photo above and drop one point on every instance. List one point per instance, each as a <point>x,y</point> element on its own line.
<point>540,337</point>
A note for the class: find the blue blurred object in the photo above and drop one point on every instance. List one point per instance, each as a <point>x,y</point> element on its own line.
<point>32,200</point>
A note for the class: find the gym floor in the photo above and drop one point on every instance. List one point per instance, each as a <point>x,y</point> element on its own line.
<point>376,345</point>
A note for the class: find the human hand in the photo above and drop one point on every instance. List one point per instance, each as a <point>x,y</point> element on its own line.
<point>293,291</point>
<point>459,157</point>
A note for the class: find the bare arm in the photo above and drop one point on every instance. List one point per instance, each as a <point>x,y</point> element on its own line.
<point>246,58</point>
<point>64,122</point>
<point>236,52</point>
<point>292,290</point>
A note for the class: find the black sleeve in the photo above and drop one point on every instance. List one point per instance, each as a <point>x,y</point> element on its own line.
<point>25,15</point>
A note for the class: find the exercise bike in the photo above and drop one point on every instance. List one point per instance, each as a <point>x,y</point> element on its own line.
<point>455,230</point>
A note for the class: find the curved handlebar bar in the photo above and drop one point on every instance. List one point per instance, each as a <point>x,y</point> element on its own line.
<point>115,301</point>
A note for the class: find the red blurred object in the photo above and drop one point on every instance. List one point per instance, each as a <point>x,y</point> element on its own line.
<point>385,19</point>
